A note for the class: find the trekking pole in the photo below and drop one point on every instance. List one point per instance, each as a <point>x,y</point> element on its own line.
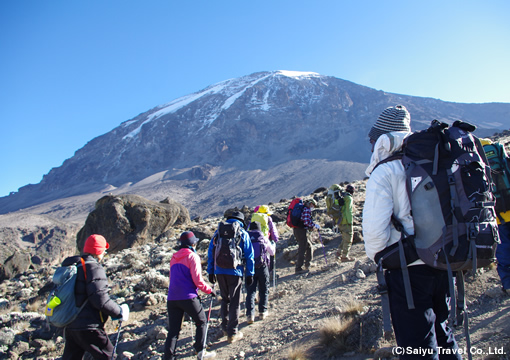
<point>274,271</point>
<point>117,341</point>
<point>207,325</point>
<point>323,250</point>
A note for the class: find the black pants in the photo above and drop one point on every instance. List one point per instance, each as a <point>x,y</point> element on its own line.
<point>230,289</point>
<point>304,248</point>
<point>176,310</point>
<point>95,342</point>
<point>423,328</point>
<point>260,281</point>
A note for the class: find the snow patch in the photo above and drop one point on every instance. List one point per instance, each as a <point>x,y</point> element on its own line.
<point>298,74</point>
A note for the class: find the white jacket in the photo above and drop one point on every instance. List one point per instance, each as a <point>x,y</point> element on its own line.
<point>386,195</point>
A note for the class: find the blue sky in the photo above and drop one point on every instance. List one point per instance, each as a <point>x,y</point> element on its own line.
<point>73,70</point>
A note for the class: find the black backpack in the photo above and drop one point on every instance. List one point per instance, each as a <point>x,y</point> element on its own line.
<point>450,189</point>
<point>227,245</point>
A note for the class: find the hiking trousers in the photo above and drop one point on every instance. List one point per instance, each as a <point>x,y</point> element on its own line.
<point>503,255</point>
<point>93,341</point>
<point>424,329</point>
<point>176,310</point>
<point>346,231</point>
<point>260,281</point>
<point>304,248</point>
<point>230,290</point>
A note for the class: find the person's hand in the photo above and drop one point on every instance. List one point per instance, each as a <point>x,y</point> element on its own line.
<point>213,293</point>
<point>125,312</point>
<point>212,278</point>
<point>249,280</point>
<point>317,226</point>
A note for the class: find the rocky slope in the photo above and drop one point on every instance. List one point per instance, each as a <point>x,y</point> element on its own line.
<point>302,307</point>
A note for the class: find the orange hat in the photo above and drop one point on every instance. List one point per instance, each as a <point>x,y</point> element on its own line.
<point>95,244</point>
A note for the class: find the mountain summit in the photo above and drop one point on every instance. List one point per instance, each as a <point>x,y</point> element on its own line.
<point>242,141</point>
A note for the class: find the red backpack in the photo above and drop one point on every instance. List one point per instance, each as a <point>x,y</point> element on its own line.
<point>294,213</point>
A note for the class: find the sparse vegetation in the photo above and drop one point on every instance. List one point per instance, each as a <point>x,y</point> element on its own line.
<point>334,334</point>
<point>298,352</point>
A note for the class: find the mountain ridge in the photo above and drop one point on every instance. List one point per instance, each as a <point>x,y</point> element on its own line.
<point>250,124</point>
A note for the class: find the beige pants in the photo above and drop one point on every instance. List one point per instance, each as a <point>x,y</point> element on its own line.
<point>346,232</point>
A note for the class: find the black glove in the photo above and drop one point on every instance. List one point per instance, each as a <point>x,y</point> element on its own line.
<point>249,280</point>
<point>212,278</point>
<point>213,293</point>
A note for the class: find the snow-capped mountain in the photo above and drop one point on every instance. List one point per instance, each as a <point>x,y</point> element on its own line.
<point>237,142</point>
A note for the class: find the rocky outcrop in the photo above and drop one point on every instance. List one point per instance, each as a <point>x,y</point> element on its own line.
<point>128,220</point>
<point>30,241</point>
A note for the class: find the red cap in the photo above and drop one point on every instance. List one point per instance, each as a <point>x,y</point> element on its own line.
<point>95,244</point>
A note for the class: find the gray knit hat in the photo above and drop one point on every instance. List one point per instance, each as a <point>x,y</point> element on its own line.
<point>393,118</point>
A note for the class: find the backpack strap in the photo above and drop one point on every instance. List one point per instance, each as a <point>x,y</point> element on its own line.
<point>84,268</point>
<point>395,156</point>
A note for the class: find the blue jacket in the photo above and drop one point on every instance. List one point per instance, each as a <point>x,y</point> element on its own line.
<point>247,252</point>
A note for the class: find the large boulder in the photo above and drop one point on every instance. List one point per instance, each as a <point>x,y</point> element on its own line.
<point>128,220</point>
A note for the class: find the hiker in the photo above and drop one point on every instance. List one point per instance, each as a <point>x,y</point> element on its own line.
<point>498,160</point>
<point>86,333</point>
<point>425,327</point>
<point>345,227</point>
<point>262,249</point>
<point>305,253</point>
<point>334,203</point>
<point>185,281</point>
<point>262,214</point>
<point>230,279</point>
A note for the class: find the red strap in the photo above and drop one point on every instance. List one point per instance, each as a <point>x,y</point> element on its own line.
<point>84,268</point>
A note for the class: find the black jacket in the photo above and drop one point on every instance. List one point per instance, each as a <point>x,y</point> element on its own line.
<point>95,289</point>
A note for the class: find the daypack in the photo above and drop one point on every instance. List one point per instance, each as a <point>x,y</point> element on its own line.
<point>294,213</point>
<point>334,202</point>
<point>450,190</point>
<point>227,245</point>
<point>259,249</point>
<point>264,222</point>
<point>61,308</point>
<point>500,175</point>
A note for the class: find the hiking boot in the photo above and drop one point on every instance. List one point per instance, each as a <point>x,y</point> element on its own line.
<point>263,315</point>
<point>301,271</point>
<point>204,354</point>
<point>346,259</point>
<point>235,337</point>
<point>251,319</point>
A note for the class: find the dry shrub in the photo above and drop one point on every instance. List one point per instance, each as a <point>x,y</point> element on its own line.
<point>353,307</point>
<point>335,332</point>
<point>36,306</point>
<point>298,352</point>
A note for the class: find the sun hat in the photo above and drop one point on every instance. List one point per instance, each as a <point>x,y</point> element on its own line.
<point>188,238</point>
<point>393,118</point>
<point>264,209</point>
<point>95,244</point>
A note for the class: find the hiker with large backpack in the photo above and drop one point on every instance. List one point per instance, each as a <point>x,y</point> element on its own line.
<point>345,226</point>
<point>423,328</point>
<point>303,211</point>
<point>262,250</point>
<point>185,281</point>
<point>334,203</point>
<point>500,168</point>
<point>86,332</point>
<point>230,257</point>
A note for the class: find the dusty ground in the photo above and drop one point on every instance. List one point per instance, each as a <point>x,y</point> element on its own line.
<point>301,303</point>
